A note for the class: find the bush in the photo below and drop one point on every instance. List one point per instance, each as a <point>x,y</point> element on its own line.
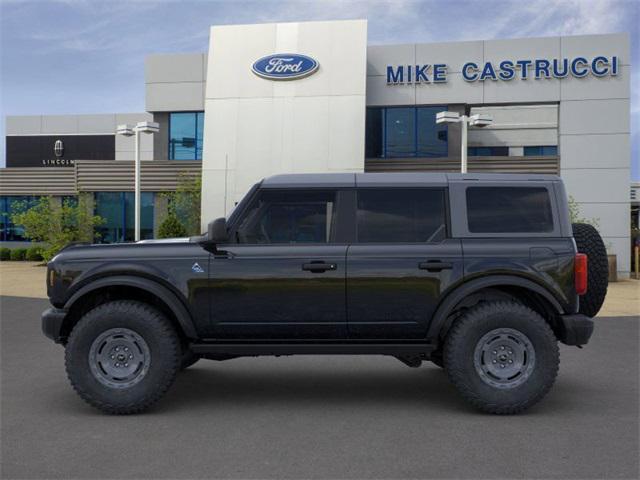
<point>18,254</point>
<point>34,254</point>
<point>57,225</point>
<point>171,228</point>
<point>5,253</point>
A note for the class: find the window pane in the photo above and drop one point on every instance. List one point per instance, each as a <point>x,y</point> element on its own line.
<point>290,217</point>
<point>403,216</point>
<point>432,138</point>
<point>146,216</point>
<point>10,205</point>
<point>509,209</point>
<point>109,207</point>
<point>117,208</point>
<point>373,133</point>
<point>182,136</point>
<point>550,151</point>
<point>400,132</point>
<point>199,134</point>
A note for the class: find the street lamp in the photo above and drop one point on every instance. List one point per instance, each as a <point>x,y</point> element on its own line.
<point>477,120</point>
<point>128,131</point>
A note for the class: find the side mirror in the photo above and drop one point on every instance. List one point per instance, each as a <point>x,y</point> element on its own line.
<point>217,230</point>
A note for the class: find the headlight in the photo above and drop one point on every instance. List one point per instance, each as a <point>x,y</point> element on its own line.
<point>52,277</point>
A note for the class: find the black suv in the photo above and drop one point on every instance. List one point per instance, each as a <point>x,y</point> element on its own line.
<point>480,274</point>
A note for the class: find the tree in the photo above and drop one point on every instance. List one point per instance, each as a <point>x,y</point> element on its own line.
<point>576,216</point>
<point>184,203</point>
<point>171,228</point>
<point>55,224</point>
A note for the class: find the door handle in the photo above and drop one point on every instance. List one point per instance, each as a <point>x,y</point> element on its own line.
<point>318,267</point>
<point>435,266</point>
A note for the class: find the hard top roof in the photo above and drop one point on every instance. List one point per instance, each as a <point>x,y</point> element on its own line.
<point>392,179</point>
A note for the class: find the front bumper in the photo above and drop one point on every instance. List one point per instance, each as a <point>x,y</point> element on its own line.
<point>52,320</point>
<point>575,329</point>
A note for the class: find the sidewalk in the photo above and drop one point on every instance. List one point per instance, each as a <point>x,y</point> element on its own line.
<point>27,279</point>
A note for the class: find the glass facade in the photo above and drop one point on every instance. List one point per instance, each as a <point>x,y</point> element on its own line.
<point>488,151</point>
<point>117,208</point>
<point>541,151</point>
<point>9,232</point>
<point>401,132</point>
<point>185,135</point>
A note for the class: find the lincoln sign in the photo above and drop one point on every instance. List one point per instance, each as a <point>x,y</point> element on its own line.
<point>506,70</point>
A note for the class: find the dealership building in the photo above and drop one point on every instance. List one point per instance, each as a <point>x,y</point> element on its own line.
<point>314,97</point>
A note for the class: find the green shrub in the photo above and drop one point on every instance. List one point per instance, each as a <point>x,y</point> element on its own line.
<point>18,254</point>
<point>34,254</point>
<point>55,224</point>
<point>171,228</point>
<point>5,253</point>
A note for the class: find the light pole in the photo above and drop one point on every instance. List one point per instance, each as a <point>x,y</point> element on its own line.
<point>477,120</point>
<point>128,131</point>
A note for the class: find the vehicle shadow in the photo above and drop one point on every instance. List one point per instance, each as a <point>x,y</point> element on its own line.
<point>206,385</point>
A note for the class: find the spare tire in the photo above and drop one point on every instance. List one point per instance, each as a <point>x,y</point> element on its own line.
<point>589,242</point>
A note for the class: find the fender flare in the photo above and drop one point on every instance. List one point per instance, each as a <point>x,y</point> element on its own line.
<point>439,322</point>
<point>170,299</point>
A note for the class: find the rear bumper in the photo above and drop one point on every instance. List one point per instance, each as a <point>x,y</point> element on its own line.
<point>575,329</point>
<point>52,320</point>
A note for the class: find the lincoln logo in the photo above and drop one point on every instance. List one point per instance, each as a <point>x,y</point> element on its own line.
<point>58,148</point>
<point>285,66</point>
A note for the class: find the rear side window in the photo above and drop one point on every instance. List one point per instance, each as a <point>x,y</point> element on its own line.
<point>401,215</point>
<point>509,210</point>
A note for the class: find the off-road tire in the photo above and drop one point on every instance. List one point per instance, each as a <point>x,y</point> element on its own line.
<point>589,241</point>
<point>164,350</point>
<point>188,359</point>
<point>468,331</point>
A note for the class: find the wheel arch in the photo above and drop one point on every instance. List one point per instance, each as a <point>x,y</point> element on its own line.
<point>130,287</point>
<point>494,287</point>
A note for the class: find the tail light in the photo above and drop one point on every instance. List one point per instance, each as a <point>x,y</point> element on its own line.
<point>580,273</point>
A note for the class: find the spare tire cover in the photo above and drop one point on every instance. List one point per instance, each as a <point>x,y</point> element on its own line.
<point>589,241</point>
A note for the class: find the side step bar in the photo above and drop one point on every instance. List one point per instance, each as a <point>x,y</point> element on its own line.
<point>254,349</point>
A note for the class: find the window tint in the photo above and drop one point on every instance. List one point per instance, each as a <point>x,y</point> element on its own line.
<point>401,215</point>
<point>509,210</point>
<point>289,217</point>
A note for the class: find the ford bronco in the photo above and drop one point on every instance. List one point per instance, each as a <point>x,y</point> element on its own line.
<point>481,274</point>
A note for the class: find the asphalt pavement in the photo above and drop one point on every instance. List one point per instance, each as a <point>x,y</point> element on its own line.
<point>318,417</point>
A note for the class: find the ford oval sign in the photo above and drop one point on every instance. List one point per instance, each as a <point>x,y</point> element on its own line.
<point>285,66</point>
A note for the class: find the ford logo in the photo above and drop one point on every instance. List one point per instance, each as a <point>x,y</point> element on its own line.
<point>285,66</point>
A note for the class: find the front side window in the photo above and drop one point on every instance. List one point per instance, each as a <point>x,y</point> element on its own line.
<point>509,210</point>
<point>289,217</point>
<point>185,135</point>
<point>401,215</point>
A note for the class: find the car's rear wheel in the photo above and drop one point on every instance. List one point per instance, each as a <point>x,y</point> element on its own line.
<point>502,356</point>
<point>122,356</point>
<point>589,241</point>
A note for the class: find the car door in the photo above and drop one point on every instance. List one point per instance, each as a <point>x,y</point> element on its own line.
<point>284,277</point>
<point>401,262</point>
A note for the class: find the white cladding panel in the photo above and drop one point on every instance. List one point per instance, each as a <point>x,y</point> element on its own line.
<point>256,127</point>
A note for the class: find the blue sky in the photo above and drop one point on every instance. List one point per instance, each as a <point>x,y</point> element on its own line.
<point>87,56</point>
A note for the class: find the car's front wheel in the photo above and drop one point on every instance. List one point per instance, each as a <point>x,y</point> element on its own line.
<point>122,356</point>
<point>502,356</point>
